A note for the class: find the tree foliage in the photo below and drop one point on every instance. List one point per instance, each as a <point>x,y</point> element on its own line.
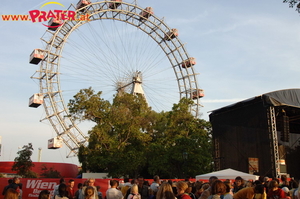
<point>130,139</point>
<point>293,3</point>
<point>23,162</point>
<point>49,172</point>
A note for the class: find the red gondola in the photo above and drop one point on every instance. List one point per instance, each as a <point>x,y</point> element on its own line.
<point>82,3</point>
<point>171,34</point>
<point>199,93</point>
<point>115,4</point>
<point>36,100</point>
<point>188,63</point>
<point>36,56</point>
<point>55,143</point>
<point>146,13</point>
<point>54,23</point>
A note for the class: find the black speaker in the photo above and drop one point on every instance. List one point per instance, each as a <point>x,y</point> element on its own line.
<point>285,129</point>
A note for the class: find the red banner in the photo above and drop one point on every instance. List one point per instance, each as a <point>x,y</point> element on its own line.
<point>31,187</point>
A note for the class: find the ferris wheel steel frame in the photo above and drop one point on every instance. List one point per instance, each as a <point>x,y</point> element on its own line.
<point>49,75</point>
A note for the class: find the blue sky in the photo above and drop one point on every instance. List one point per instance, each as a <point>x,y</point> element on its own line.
<point>243,49</point>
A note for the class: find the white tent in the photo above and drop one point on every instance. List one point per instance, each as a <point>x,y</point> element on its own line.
<point>227,174</point>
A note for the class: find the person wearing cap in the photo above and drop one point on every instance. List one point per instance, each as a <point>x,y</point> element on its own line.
<point>286,192</point>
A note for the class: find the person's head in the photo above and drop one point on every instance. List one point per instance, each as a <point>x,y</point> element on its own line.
<point>126,180</point>
<point>204,186</point>
<point>256,182</point>
<point>90,182</point>
<point>134,181</point>
<point>286,191</point>
<point>170,182</point>
<point>259,189</point>
<point>134,189</point>
<point>293,183</point>
<point>261,179</point>
<point>89,191</point>
<point>10,181</point>
<point>79,185</point>
<point>71,183</point>
<point>283,178</point>
<point>165,191</point>
<point>44,194</point>
<point>273,185</point>
<point>228,186</point>
<point>16,180</point>
<point>181,187</point>
<point>62,190</point>
<point>156,178</point>
<point>62,180</point>
<point>146,182</point>
<point>98,188</point>
<point>266,179</point>
<point>238,181</point>
<point>218,188</point>
<point>140,181</point>
<point>11,194</point>
<point>114,183</point>
<point>249,183</point>
<point>212,179</point>
<point>85,183</point>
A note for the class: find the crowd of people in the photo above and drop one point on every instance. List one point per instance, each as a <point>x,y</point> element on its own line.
<point>13,190</point>
<point>138,188</point>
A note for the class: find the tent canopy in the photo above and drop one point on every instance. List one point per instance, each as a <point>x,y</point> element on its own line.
<point>227,174</point>
<point>287,97</point>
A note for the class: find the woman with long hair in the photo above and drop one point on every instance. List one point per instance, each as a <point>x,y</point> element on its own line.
<point>218,188</point>
<point>44,194</point>
<point>181,190</point>
<point>165,191</point>
<point>134,192</point>
<point>11,194</point>
<point>89,192</point>
<point>62,192</point>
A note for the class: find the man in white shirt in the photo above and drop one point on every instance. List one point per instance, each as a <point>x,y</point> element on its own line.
<point>155,184</point>
<point>113,192</point>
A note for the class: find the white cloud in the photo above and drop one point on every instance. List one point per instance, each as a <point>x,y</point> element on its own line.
<point>234,100</point>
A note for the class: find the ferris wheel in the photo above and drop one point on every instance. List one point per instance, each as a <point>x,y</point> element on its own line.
<point>119,47</point>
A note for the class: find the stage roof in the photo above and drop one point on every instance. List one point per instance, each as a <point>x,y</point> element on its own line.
<point>287,97</point>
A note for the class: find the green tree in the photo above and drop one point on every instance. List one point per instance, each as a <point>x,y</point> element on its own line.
<point>23,162</point>
<point>31,174</point>
<point>291,3</point>
<point>184,145</point>
<point>118,134</point>
<point>128,133</point>
<point>49,172</point>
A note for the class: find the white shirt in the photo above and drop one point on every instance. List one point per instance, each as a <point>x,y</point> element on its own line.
<point>154,186</point>
<point>113,193</point>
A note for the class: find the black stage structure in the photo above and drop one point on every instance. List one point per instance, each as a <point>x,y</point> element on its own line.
<point>253,135</point>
